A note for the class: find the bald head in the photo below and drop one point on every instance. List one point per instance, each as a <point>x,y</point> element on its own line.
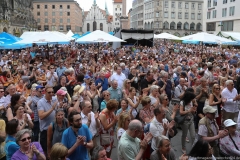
<point>135,125</point>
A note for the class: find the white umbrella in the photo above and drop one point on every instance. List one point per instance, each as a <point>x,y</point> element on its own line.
<point>69,34</point>
<point>166,36</point>
<point>99,36</point>
<point>206,38</point>
<point>63,35</point>
<point>46,37</point>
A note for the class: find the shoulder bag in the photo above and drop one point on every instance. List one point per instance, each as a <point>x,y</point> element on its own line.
<point>179,119</point>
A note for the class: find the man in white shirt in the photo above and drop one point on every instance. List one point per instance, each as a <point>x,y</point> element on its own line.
<point>119,77</point>
<point>52,77</point>
<point>11,89</point>
<point>180,89</point>
<point>90,119</point>
<point>231,99</point>
<point>160,126</point>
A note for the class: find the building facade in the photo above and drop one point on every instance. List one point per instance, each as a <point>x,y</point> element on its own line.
<point>221,15</point>
<point>97,19</point>
<point>58,15</point>
<point>178,17</point>
<point>137,14</point>
<point>117,13</point>
<point>16,16</point>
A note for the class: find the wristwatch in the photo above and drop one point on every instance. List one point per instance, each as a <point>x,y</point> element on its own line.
<point>85,144</point>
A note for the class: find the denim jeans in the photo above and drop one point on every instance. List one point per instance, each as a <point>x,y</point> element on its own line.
<point>187,125</point>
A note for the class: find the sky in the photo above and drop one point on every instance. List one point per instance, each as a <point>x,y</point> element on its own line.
<point>86,4</point>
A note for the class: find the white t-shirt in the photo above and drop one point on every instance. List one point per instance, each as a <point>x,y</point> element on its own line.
<point>119,78</point>
<point>119,133</point>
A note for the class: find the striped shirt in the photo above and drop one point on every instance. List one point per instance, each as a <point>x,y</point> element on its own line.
<point>35,100</point>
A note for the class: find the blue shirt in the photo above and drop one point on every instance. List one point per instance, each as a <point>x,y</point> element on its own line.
<point>10,147</point>
<point>103,82</point>
<point>60,71</point>
<point>115,93</point>
<point>69,139</point>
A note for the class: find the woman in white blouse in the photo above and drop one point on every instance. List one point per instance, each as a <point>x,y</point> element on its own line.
<point>230,144</point>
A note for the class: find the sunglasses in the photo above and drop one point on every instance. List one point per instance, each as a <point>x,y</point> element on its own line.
<point>52,68</point>
<point>75,100</point>
<point>217,88</point>
<point>24,139</point>
<point>50,92</point>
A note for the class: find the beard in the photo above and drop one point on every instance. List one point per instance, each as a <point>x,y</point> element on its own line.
<point>77,126</point>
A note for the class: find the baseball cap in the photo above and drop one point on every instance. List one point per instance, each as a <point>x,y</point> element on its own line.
<point>87,77</point>
<point>61,92</point>
<point>229,122</point>
<point>38,87</point>
<point>209,109</point>
<point>34,85</point>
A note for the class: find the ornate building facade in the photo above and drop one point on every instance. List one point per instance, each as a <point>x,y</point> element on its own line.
<point>97,19</point>
<point>16,16</point>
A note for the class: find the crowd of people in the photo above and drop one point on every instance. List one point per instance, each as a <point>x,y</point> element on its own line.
<point>72,101</point>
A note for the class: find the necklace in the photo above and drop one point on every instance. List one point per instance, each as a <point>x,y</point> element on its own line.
<point>29,158</point>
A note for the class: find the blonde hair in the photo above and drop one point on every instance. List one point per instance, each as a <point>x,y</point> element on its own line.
<point>122,119</point>
<point>58,152</point>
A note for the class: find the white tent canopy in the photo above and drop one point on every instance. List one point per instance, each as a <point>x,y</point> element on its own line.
<point>166,36</point>
<point>206,38</point>
<point>69,34</point>
<point>99,36</point>
<point>63,35</point>
<point>46,37</point>
<point>234,35</point>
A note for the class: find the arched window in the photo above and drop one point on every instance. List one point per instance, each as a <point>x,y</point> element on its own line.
<point>199,27</point>
<point>179,25</point>
<point>88,27</point>
<point>101,26</point>
<point>172,25</point>
<point>192,26</point>
<point>186,26</point>
<point>165,25</point>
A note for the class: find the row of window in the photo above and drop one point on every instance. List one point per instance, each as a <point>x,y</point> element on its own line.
<point>120,9</point>
<point>224,12</point>
<point>53,6</point>
<point>53,13</point>
<point>94,26</point>
<point>179,25</point>
<point>54,28</point>
<point>180,5</point>
<point>225,26</point>
<point>209,4</point>
<point>180,15</point>
<point>53,20</point>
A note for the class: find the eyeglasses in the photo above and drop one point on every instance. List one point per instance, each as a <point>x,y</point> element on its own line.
<point>50,92</point>
<point>24,139</point>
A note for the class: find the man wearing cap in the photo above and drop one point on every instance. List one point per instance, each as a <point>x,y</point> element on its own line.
<point>230,98</point>
<point>208,129</point>
<point>46,112</point>
<point>33,105</point>
<point>230,144</point>
<point>87,80</point>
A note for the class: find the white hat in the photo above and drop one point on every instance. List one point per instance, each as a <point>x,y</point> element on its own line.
<point>229,122</point>
<point>209,109</point>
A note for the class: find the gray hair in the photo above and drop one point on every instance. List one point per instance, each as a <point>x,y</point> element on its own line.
<point>20,133</point>
<point>159,140</point>
<point>122,64</point>
<point>95,152</point>
<point>135,125</point>
<point>153,87</point>
<point>228,82</point>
